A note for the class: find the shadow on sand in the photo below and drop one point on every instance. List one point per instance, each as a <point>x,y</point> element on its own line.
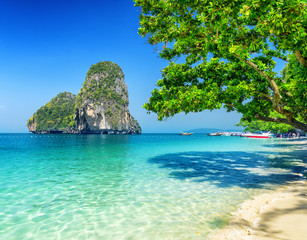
<point>229,169</point>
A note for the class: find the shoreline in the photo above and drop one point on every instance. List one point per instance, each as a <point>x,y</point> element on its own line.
<point>280,214</point>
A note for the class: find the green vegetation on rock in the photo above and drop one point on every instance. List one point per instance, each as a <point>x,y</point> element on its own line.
<point>114,71</point>
<point>94,89</point>
<point>56,115</point>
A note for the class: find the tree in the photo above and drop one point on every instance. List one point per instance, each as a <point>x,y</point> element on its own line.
<point>258,125</point>
<point>229,51</point>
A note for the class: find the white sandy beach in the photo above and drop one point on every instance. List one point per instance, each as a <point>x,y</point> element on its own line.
<point>278,215</point>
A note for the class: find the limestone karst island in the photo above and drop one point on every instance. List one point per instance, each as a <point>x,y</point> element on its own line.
<point>101,106</point>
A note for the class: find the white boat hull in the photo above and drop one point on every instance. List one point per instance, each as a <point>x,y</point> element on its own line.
<point>256,135</point>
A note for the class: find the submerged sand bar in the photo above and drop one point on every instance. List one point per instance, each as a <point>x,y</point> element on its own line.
<point>278,215</point>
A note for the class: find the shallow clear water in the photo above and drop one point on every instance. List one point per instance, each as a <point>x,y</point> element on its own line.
<point>149,186</point>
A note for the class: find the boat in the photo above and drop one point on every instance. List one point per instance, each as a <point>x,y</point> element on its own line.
<point>257,135</point>
<point>185,134</point>
<point>215,134</point>
<point>226,134</point>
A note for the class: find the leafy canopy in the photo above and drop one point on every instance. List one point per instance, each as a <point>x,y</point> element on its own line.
<point>229,50</point>
<point>258,125</point>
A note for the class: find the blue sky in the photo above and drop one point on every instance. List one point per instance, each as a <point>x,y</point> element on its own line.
<point>48,46</point>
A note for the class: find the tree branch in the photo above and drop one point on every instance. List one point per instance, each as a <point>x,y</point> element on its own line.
<point>265,95</point>
<point>271,119</point>
<point>300,58</point>
<point>275,88</point>
<point>293,122</point>
<point>284,59</point>
<point>288,94</point>
<point>230,105</point>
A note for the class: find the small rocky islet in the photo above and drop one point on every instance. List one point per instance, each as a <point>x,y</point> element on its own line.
<point>101,106</point>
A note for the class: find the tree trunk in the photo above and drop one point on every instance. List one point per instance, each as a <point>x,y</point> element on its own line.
<point>292,122</point>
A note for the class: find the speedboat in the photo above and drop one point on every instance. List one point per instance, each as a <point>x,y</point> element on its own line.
<point>257,135</point>
<point>185,134</point>
<point>215,134</point>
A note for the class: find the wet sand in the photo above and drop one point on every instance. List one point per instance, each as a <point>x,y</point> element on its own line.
<point>280,215</point>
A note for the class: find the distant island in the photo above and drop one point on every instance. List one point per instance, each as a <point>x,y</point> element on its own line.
<point>210,130</point>
<point>101,106</point>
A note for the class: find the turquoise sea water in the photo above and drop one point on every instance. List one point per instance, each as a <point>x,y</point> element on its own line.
<point>149,186</point>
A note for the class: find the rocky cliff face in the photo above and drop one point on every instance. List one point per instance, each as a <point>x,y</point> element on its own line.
<point>57,116</point>
<point>102,105</point>
<point>32,124</point>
